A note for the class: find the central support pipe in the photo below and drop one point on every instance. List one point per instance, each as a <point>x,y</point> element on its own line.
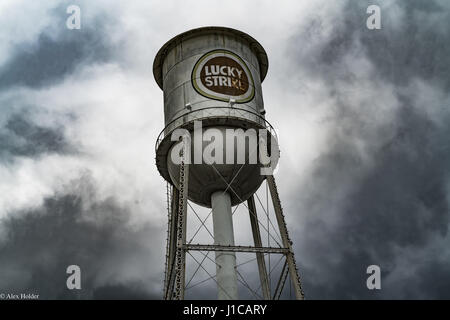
<point>224,235</point>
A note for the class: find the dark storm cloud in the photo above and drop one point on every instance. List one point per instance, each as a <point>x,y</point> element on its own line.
<point>399,203</point>
<point>368,207</point>
<point>418,47</point>
<point>21,137</point>
<point>123,292</point>
<point>52,58</point>
<point>72,226</point>
<point>75,228</point>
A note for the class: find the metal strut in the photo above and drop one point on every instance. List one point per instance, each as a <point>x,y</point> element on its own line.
<point>265,287</point>
<point>287,243</point>
<point>181,229</point>
<point>172,246</point>
<point>169,229</point>
<point>212,247</point>
<point>281,282</point>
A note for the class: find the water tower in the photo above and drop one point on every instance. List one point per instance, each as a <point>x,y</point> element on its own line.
<point>211,78</point>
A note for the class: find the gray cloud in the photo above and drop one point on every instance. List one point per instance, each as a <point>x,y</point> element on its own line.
<point>417,49</point>
<point>21,137</point>
<point>381,187</point>
<point>411,45</point>
<point>54,57</point>
<point>73,227</point>
<point>127,291</point>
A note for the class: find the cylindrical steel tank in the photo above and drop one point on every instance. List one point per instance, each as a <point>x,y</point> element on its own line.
<point>212,75</point>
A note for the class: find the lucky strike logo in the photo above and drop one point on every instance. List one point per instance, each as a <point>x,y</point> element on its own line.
<point>222,75</point>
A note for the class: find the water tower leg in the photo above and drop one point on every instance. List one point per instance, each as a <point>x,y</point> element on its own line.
<point>171,245</point>
<point>285,237</point>
<point>224,236</point>
<point>265,285</point>
<point>180,255</point>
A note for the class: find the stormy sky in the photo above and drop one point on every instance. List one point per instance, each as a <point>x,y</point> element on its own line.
<point>364,127</point>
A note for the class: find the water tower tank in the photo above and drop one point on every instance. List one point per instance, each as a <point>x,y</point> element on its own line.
<point>212,75</point>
